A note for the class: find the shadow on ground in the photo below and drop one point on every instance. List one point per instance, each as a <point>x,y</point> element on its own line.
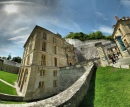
<point>88,100</point>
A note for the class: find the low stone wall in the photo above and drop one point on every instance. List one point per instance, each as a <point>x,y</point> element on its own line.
<point>70,97</point>
<point>10,97</point>
<point>68,75</point>
<point>10,68</point>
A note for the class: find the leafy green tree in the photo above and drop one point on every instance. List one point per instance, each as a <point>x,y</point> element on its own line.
<point>94,35</point>
<point>17,59</point>
<point>9,57</point>
<point>4,57</point>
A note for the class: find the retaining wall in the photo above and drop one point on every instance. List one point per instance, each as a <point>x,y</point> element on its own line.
<point>10,97</point>
<point>70,97</point>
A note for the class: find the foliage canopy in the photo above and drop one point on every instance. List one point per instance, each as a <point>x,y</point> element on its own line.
<point>94,35</point>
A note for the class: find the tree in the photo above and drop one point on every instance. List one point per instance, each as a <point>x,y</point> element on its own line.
<point>94,35</point>
<point>9,57</point>
<point>17,59</point>
<point>4,57</point>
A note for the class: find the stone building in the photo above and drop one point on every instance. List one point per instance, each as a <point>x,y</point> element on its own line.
<point>121,35</point>
<point>105,51</point>
<point>44,53</point>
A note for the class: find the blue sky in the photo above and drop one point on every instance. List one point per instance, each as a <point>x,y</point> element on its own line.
<point>19,17</point>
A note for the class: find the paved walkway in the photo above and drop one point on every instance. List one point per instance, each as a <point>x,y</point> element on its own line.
<point>122,63</point>
<point>7,83</point>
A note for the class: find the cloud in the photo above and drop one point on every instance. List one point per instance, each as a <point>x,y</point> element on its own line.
<point>19,39</point>
<point>125,3</point>
<point>20,30</point>
<point>101,15</point>
<point>105,29</point>
<point>15,2</point>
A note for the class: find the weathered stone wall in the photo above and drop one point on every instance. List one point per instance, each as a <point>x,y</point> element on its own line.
<point>10,97</point>
<point>9,66</point>
<point>68,75</point>
<point>70,97</point>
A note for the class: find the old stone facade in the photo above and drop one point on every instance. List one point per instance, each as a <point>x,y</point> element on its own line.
<point>44,53</point>
<point>105,51</point>
<point>121,35</point>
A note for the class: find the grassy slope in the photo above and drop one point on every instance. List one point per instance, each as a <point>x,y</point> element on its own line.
<point>7,89</point>
<point>8,77</point>
<point>110,87</point>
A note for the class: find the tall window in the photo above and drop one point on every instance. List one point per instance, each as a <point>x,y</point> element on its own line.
<point>28,60</point>
<point>41,84</point>
<point>43,46</point>
<point>54,40</point>
<point>54,50</point>
<point>43,60</point>
<point>44,36</point>
<point>55,61</point>
<point>42,72</point>
<point>55,83</point>
<point>55,73</point>
<point>120,31</point>
<point>30,47</point>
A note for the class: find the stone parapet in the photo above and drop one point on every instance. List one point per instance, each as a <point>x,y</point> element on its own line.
<point>70,97</point>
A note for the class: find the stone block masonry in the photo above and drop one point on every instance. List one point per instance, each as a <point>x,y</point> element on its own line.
<point>70,97</point>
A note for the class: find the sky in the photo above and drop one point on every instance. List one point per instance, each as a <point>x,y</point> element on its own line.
<point>19,17</point>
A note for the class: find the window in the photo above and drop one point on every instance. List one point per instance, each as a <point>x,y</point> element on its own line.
<point>55,83</point>
<point>120,31</point>
<point>55,61</point>
<point>43,60</point>
<point>55,73</point>
<point>41,84</point>
<point>44,36</point>
<point>54,40</point>
<point>42,73</point>
<point>30,47</point>
<point>43,46</point>
<point>28,61</point>
<point>54,50</point>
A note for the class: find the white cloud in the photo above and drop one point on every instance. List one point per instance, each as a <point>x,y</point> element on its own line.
<point>20,30</point>
<point>105,29</point>
<point>125,3</point>
<point>19,39</point>
<point>101,15</point>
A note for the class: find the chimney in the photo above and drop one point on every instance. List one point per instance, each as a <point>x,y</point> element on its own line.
<point>116,17</point>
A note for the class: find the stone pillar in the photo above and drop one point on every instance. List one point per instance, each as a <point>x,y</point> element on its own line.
<point>103,56</point>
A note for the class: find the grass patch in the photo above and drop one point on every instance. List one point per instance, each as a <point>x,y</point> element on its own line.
<point>6,89</point>
<point>11,102</point>
<point>109,87</point>
<point>8,77</point>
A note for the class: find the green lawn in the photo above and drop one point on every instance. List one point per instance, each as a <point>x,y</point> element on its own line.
<point>8,77</point>
<point>11,102</point>
<point>109,87</point>
<point>7,89</point>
